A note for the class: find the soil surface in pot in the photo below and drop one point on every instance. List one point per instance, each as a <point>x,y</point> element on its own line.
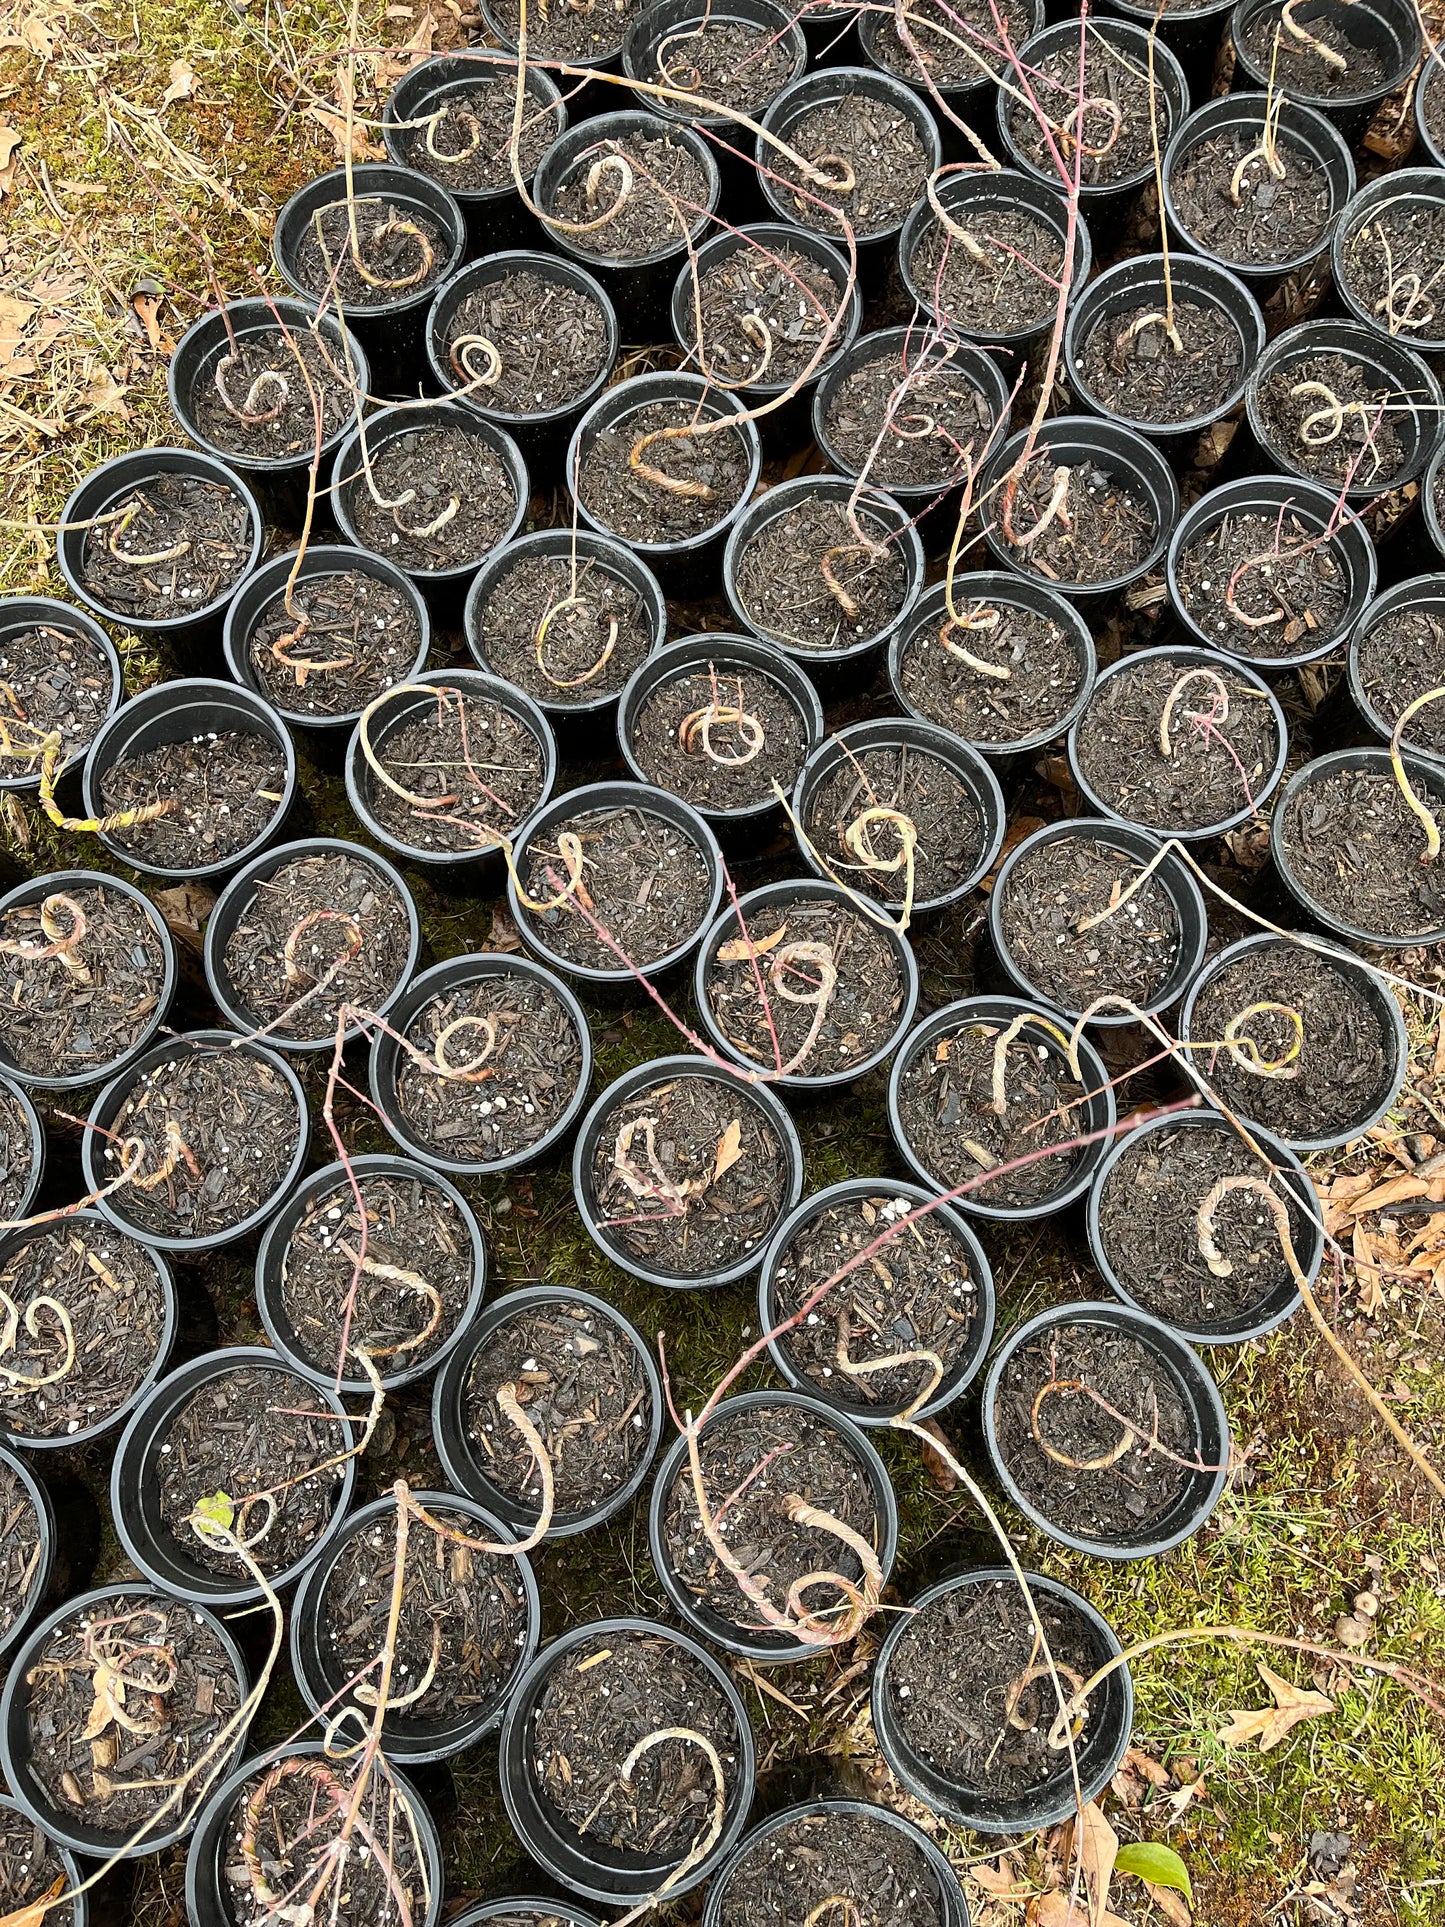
<point>1298,65</point>
<point>1084,1469</point>
<point>61,683</point>
<point>465,147</point>
<point>29,1870</point>
<point>1132,363</point>
<point>607,1695</point>
<point>1433,102</point>
<point>345,638</point>
<point>1008,286</point>
<point>853,823</point>
<point>1401,658</point>
<point>1353,843</point>
<point>878,420</point>
<point>1118,141</point>
<point>805,580</point>
<point>398,252</point>
<point>1109,533</point>
<point>550,339</point>
<point>872,159</point>
<point>565,34</point>
<point>1079,925</point>
<point>642,880</point>
<point>757,1460</point>
<point>259,400</point>
<point>247,1431</point>
<point>509,1068</point>
<point>17,1151</point>
<point>412,1277</point>
<point>1233,203</point>
<point>1044,662</point>
<point>843,1863</point>
<point>79,982</point>
<point>1338,1058</point>
<point>19,1548</point>
<point>1392,266</point>
<point>766,316</point>
<point>714,464</point>
<point>631,197</point>
<point>99,1763</point>
<point>581,1384</point>
<point>832,986</point>
<point>1221,748</point>
<point>1148,1225</point>
<point>945,1104</point>
<point>447,498</point>
<point>969,1696</point>
<point>689,1176</point>
<point>912,1296</point>
<point>472,771</point>
<point>220,790</point>
<point>110,1292</point>
<point>727,61</point>
<point>1324,414</point>
<point>1261,583</point>
<point>327,927</point>
<point>222,1127</point>
<point>935,29</point>
<point>168,548</point>
<point>551,631</point>
<point>720,738</point>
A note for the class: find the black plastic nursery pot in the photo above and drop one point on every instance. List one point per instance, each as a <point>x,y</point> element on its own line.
<point>749,1640</point>
<point>1192,34</point>
<point>831,33</point>
<point>542,435</point>
<point>440,982</point>
<point>903,1200</point>
<point>902,734</point>
<point>969,83</point>
<point>72,629</point>
<point>40,1592</point>
<point>1413,197</point>
<point>389,329</point>
<point>1329,528</point>
<point>106,489</point>
<point>1099,1750</point>
<point>804,891</point>
<point>1422,595</point>
<point>1139,847</point>
<point>531,1909</point>
<point>583,98</point>
<point>67,1868</point>
<point>468,1466</point>
<point>1043,1031</point>
<point>1264,962</point>
<point>1388,29</point>
<point>54,1818</point>
<point>470,1262</point>
<point>1432,500</point>
<point>1138,287</point>
<point>1190,1385</point>
<point>182,712</point>
<point>323,1675</point>
<point>627,1089</point>
<point>35,1133</point>
<point>1430,107</point>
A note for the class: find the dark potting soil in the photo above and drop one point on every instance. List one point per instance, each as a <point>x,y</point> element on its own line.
<point>720,738</point>
<point>346,637</point>
<point>948,829</point>
<point>112,1298</point>
<point>1089,1363</point>
<point>461,498</point>
<point>783,571</point>
<point>576,656</point>
<point>971,1695</point>
<point>31,1871</point>
<point>532,1917</point>
<point>581,1384</point>
<point>68,1018</point>
<point>909,422</point>
<point>625,498</point>
<point>473,771</point>
<point>59,682</point>
<point>844,1864</point>
<point>766,317</point>
<point>607,1695</point>
<point>1131,362</point>
<point>247,1431</point>
<point>643,881</point>
<point>465,146</point>
<point>17,1152</point>
<point>873,161</point>
<point>945,1104</point>
<point>1272,569</point>
<point>832,986</point>
<point>167,549</point>
<point>689,1175</point>
<point>753,1462</point>
<point>935,29</point>
<point>527,1076</point>
<point>1116,131</point>
<point>913,1296</point>
<point>1148,1226</point>
<point>1301,68</point>
<point>1217,761</point>
<point>1353,843</point>
<point>568,33</point>
<point>1050,901</point>
<point>259,398</point>
<point>179,1691</point>
<point>727,61</point>
<point>550,341</point>
<point>1393,266</point>
<point>19,1548</point>
<point>327,928</point>
<point>463,1624</point>
<point>398,252</point>
<point>1337,1067</point>
<point>1433,101</point>
<point>1109,532</point>
<point>1011,289</point>
<point>222,1127</point>
<point>1277,217</point>
<point>415,1272</point>
<point>650,197</point>
<point>222,788</point>
<point>1400,659</point>
<point>1045,672</point>
<point>1357,441</point>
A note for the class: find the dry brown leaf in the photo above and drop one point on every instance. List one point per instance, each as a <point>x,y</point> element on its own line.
<point>1098,1847</point>
<point>729,1149</point>
<point>1400,1191</point>
<point>1172,1904</point>
<point>148,310</point>
<point>934,1463</point>
<point>185,909</point>
<point>1054,1910</point>
<point>39,32</point>
<point>1270,1724</point>
<point>997,1879</point>
<point>104,395</point>
<point>739,949</point>
<point>1179,1801</point>
<point>1367,1272</point>
<point>1149,1769</point>
<point>504,934</point>
<point>182,83</point>
<point>34,1914</point>
<point>362,147</point>
<point>9,148</point>
<point>103,1705</point>
<point>14,317</point>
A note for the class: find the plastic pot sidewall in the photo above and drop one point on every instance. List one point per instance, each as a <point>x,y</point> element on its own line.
<point>18,613</point>
<point>826,87</point>
<point>1430,88</point>
<point>38,1149</point>
<point>519,1906</point>
<point>35,1601</point>
<point>414,193</point>
<point>1432,495</point>
<point>1425,593</point>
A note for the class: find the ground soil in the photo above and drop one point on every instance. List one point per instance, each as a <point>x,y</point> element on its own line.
<point>19,1548</point>
<point>727,771</point>
<point>698,1184</point>
<point>580,1382</point>
<point>880,147</point>
<point>1302,71</point>
<point>842,1863</point>
<point>584,659</point>
<point>1012,290</point>
<point>666,202</point>
<point>226,786</point>
<point>1112,526</point>
<point>17,1151</point>
<point>784,295</point>
<point>466,149</point>
<point>52,1022</point>
<point>128,562</point>
<point>1132,366</point>
<point>640,510</point>
<point>29,1869</point>
<point>400,247</point>
<point>564,33</point>
<point>346,637</point>
<point>59,681</point>
<point>926,389</point>
<point>1352,842</point>
<point>947,65</point>
<point>1274,219</point>
<point>1368,449</point>
<point>1116,150</point>
<point>785,594</point>
<point>1392,266</point>
<point>112,1295</point>
<point>1401,658</point>
<point>551,340</point>
<point>1279,569</point>
<point>927,793</point>
<point>241,412</point>
<point>477,766</point>
<point>1059,886</point>
<point>437,466</point>
<point>1044,661</point>
<point>727,61</point>
<point>647,882</point>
